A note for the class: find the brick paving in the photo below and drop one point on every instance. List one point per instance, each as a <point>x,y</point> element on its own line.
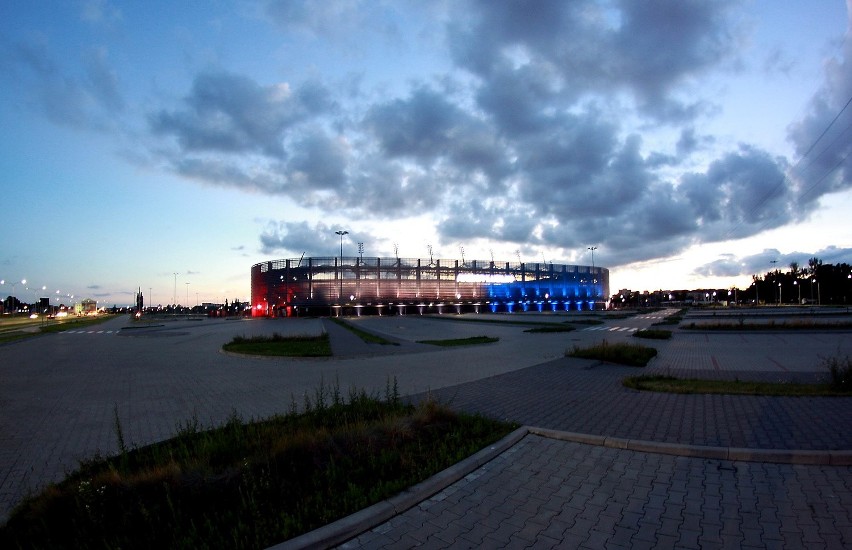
<point>544,493</point>
<point>58,408</point>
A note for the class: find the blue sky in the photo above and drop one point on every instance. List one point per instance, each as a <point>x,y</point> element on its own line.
<point>146,139</point>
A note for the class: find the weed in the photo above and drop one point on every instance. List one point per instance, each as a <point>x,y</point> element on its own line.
<point>546,329</point>
<point>461,341</point>
<point>252,484</point>
<point>119,432</point>
<point>670,384</point>
<point>840,370</point>
<point>621,353</point>
<point>277,345</point>
<point>653,334</point>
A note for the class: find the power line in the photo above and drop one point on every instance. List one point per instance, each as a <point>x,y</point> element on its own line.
<point>771,193</point>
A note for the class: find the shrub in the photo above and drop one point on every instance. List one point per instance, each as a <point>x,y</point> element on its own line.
<point>840,371</point>
<point>653,334</point>
<point>624,354</point>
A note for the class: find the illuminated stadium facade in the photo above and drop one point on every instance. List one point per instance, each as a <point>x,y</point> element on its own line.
<point>401,286</point>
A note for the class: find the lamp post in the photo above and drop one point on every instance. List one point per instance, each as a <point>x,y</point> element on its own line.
<point>14,304</point>
<point>799,288</point>
<point>174,295</point>
<point>779,294</point>
<point>341,233</point>
<point>593,248</point>
<point>187,294</point>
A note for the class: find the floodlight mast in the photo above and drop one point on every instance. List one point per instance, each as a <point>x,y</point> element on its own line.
<point>341,232</point>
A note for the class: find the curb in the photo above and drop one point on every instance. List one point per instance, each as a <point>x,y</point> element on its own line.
<point>353,525</point>
<point>777,456</point>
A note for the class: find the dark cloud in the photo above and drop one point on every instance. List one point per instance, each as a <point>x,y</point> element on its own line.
<point>532,139</point>
<point>231,113</point>
<point>823,138</point>
<point>648,49</point>
<point>318,162</point>
<point>740,194</point>
<point>660,43</point>
<point>226,173</point>
<point>294,238</point>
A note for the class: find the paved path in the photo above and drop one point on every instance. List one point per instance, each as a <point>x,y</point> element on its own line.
<point>60,395</point>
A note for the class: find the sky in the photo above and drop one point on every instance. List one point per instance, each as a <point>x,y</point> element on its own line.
<point>169,146</point>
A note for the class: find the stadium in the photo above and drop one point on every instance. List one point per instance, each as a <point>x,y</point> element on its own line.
<point>402,286</point>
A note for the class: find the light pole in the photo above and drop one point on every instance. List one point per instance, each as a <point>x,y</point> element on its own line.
<point>187,294</point>
<point>14,304</point>
<point>779,294</point>
<point>799,288</point>
<point>593,248</point>
<point>341,233</point>
<point>174,295</point>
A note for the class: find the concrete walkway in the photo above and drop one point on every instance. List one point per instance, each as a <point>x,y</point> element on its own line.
<point>60,395</point>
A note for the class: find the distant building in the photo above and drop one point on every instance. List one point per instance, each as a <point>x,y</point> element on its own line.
<point>399,286</point>
<point>86,307</point>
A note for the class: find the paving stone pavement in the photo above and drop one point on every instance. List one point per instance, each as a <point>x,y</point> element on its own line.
<point>541,492</point>
<point>545,493</point>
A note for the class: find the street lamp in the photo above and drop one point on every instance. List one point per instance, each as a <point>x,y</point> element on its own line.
<point>799,288</point>
<point>341,233</point>
<point>593,248</point>
<point>13,304</point>
<point>779,294</point>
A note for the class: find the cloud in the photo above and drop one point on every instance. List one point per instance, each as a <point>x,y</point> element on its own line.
<point>102,80</point>
<point>89,100</point>
<point>823,138</point>
<point>740,194</point>
<point>534,136</point>
<point>587,47</point>
<point>297,237</point>
<point>100,12</point>
<point>319,162</point>
<point>769,260</point>
<point>231,113</point>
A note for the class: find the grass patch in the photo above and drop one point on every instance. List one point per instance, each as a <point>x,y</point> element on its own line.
<point>62,325</point>
<point>674,319</point>
<point>653,334</point>
<point>461,341</point>
<point>368,337</point>
<point>771,325</point>
<point>251,484</point>
<point>633,355</point>
<point>556,328</point>
<point>14,336</point>
<point>281,346</point>
<point>670,384</point>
